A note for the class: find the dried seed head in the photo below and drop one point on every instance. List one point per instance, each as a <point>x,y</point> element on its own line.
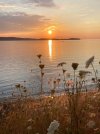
<point>39,56</point>
<point>83,73</point>
<point>41,66</point>
<point>61,64</point>
<point>75,65</point>
<point>89,61</point>
<point>64,71</point>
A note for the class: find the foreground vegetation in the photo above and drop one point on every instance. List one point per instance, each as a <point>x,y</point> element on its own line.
<point>31,116</point>
<point>73,112</point>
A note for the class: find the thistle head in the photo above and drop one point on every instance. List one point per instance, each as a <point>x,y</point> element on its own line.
<point>89,61</point>
<point>75,66</point>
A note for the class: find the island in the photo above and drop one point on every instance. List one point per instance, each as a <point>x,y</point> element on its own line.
<point>22,39</point>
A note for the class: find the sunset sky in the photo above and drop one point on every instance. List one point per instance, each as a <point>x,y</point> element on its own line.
<point>66,18</point>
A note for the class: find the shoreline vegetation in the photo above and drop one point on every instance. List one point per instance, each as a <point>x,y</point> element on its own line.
<point>22,39</point>
<point>73,112</point>
<point>38,116</point>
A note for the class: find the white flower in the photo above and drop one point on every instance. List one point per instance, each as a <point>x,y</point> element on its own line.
<point>53,127</point>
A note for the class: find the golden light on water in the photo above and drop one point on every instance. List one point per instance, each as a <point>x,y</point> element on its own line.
<point>50,48</point>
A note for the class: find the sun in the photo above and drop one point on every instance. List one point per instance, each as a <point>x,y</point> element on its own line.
<point>49,32</point>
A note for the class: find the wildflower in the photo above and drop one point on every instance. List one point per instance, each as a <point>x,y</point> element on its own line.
<point>75,65</point>
<point>53,127</point>
<point>89,61</point>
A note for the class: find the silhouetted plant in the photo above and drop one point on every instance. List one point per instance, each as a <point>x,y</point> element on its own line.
<point>74,66</point>
<point>39,56</point>
<point>90,62</point>
<point>61,64</point>
<point>74,100</point>
<point>22,90</point>
<point>58,82</point>
<point>82,75</point>
<point>18,87</point>
<point>41,66</point>
<point>52,92</point>
<point>63,71</point>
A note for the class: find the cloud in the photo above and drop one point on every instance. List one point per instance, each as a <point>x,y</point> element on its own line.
<point>3,5</point>
<point>43,3</point>
<point>20,22</point>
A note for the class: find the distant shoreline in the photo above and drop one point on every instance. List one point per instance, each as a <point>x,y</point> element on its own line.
<point>29,39</point>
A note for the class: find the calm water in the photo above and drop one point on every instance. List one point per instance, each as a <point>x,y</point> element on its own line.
<point>17,58</point>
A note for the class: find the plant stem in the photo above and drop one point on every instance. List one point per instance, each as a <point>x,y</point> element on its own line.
<point>41,82</point>
<point>74,83</point>
<point>94,71</point>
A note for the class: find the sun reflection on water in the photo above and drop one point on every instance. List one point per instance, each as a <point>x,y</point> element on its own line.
<point>50,48</point>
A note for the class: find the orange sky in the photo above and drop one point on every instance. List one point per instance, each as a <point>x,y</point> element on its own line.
<point>67,18</point>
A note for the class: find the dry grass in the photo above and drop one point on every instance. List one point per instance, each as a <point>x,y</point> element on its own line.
<point>31,116</point>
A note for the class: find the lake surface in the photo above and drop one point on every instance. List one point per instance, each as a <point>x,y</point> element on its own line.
<point>18,58</point>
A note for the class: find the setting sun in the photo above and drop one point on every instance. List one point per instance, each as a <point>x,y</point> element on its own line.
<point>50,32</point>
